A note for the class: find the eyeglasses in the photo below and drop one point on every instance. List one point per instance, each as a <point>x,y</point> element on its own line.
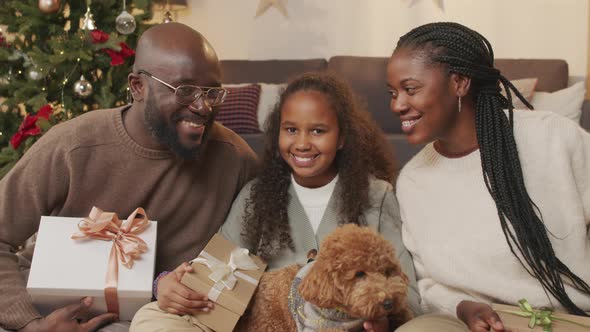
<point>188,94</point>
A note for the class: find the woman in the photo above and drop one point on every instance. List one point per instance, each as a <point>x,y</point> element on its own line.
<point>496,206</point>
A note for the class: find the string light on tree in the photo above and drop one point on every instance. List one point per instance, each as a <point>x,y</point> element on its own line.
<point>125,22</point>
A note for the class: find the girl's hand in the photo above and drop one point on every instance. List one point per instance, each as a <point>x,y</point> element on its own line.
<point>479,317</point>
<point>176,298</point>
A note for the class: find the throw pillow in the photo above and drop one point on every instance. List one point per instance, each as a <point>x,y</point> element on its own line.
<point>567,102</point>
<point>526,87</point>
<point>239,110</point>
<point>269,96</point>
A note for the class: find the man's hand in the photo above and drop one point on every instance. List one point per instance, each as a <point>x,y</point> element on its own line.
<point>70,319</point>
<point>176,298</point>
<point>479,317</point>
<point>381,325</point>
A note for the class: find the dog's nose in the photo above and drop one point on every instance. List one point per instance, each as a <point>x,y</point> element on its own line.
<point>388,304</point>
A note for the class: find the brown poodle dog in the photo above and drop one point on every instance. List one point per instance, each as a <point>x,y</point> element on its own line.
<point>356,277</point>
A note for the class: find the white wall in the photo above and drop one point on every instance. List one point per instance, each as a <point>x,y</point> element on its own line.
<point>322,28</point>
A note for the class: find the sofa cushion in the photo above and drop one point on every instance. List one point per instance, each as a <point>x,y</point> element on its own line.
<point>238,111</point>
<point>567,102</point>
<point>267,71</point>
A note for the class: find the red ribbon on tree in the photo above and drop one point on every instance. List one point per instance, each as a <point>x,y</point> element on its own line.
<point>117,57</point>
<point>29,126</point>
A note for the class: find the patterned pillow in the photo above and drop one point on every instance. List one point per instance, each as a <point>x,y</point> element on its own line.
<point>238,111</point>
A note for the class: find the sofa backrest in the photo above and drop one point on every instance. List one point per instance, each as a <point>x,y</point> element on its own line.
<point>553,74</point>
<point>267,71</point>
<point>366,75</point>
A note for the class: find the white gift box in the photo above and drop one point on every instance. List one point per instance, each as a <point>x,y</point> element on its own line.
<point>64,270</point>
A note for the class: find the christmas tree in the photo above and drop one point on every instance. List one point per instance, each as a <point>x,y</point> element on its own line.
<point>60,59</point>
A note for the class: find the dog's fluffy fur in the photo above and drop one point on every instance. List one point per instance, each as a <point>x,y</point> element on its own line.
<point>356,271</point>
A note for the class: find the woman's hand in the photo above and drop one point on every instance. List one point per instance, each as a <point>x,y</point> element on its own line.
<point>381,325</point>
<point>479,317</point>
<point>176,298</point>
<point>71,318</point>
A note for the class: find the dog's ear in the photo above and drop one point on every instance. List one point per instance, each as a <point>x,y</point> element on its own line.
<point>319,287</point>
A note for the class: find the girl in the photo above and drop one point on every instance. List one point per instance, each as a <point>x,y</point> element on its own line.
<point>496,207</point>
<point>326,163</point>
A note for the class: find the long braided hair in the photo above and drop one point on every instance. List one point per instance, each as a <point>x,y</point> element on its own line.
<point>468,53</point>
<point>365,153</point>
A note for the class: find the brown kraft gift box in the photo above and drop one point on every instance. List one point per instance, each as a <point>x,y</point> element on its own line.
<point>230,303</point>
<point>516,323</point>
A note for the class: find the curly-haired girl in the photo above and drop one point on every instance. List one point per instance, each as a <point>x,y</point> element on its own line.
<point>326,163</point>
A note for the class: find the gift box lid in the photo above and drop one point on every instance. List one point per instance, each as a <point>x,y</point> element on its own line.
<point>236,299</point>
<point>62,265</point>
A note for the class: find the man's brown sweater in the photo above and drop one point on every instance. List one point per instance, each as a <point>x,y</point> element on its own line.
<point>92,161</point>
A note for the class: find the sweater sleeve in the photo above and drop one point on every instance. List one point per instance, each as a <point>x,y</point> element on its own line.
<point>35,186</point>
<point>581,169</point>
<point>232,227</point>
<point>390,227</point>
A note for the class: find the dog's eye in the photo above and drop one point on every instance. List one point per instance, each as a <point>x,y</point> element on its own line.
<point>388,272</point>
<point>360,274</point>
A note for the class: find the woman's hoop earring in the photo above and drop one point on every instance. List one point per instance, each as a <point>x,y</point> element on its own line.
<point>459,104</point>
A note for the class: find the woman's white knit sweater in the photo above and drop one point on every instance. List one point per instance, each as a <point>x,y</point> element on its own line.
<point>451,225</point>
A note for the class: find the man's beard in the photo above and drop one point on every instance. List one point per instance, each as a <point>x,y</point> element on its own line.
<point>167,135</point>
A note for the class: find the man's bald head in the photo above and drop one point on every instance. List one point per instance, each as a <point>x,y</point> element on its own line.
<point>171,44</point>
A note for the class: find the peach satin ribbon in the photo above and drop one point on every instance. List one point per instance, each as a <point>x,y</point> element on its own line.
<point>127,245</point>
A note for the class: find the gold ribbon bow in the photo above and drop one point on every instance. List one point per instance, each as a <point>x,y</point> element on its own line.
<point>543,317</point>
<point>127,245</point>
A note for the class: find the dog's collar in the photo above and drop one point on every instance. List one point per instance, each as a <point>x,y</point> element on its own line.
<point>309,317</point>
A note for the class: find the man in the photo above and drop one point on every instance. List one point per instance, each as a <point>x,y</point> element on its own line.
<point>163,153</point>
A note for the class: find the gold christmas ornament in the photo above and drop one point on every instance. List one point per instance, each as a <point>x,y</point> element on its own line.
<point>48,6</point>
<point>167,17</point>
<point>88,23</point>
<point>82,88</point>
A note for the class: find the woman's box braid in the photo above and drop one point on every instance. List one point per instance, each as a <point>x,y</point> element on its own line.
<point>468,53</point>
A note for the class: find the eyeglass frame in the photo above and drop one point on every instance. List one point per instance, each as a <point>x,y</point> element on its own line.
<point>204,89</point>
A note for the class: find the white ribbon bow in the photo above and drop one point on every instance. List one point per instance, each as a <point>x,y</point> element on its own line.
<point>225,273</point>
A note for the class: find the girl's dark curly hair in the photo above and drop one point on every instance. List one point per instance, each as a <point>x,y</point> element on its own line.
<point>365,153</point>
<point>466,52</point>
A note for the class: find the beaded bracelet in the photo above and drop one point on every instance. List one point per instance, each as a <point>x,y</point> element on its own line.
<point>155,285</point>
